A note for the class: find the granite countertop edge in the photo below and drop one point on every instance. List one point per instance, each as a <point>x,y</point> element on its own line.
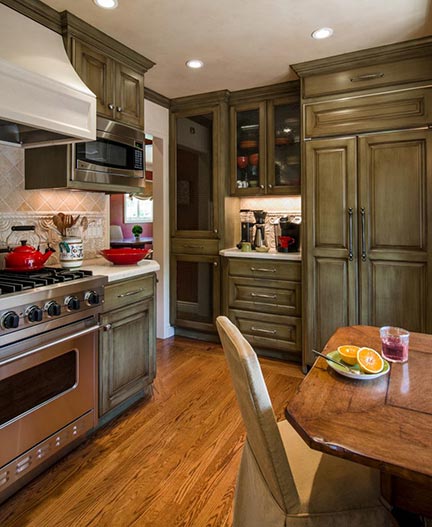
<point>272,254</point>
<point>100,266</point>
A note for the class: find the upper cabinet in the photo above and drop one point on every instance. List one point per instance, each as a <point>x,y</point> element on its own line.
<point>265,141</point>
<point>112,71</point>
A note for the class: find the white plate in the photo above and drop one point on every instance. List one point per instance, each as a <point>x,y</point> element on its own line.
<point>363,376</point>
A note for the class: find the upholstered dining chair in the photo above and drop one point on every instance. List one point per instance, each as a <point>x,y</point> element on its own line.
<point>281,481</point>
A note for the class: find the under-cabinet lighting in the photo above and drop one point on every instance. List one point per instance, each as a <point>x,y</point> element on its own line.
<point>195,64</point>
<point>322,32</point>
<point>106,4</point>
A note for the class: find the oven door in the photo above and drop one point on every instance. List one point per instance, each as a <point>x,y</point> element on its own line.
<point>116,157</point>
<point>46,382</point>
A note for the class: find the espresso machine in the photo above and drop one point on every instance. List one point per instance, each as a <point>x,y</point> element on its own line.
<point>287,234</point>
<point>260,237</point>
<point>247,223</point>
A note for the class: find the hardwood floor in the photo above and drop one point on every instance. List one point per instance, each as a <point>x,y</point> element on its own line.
<point>170,461</point>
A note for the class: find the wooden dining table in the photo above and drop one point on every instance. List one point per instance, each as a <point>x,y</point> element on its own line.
<point>385,422</point>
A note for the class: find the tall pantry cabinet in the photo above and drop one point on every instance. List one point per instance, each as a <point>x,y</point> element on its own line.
<point>367,192</point>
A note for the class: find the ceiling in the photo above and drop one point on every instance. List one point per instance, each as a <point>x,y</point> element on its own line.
<point>246,43</point>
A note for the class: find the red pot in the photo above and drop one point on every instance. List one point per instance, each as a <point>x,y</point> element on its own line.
<point>242,162</point>
<point>26,258</point>
<point>253,159</point>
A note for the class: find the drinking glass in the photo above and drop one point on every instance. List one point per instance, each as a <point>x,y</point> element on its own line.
<point>394,343</point>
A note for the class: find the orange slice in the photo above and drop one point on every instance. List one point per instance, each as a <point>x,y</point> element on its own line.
<point>369,360</point>
<point>348,353</point>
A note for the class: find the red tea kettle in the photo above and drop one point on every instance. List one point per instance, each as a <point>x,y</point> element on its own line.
<point>25,257</point>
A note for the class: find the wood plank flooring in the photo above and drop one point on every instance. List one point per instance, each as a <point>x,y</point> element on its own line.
<point>170,461</point>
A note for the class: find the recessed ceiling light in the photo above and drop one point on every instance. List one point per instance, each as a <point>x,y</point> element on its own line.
<point>322,32</point>
<point>106,4</point>
<point>195,64</point>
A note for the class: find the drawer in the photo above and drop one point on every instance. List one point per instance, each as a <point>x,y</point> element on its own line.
<point>389,111</point>
<point>268,331</point>
<point>368,77</point>
<point>265,296</point>
<point>264,268</point>
<point>194,246</point>
<point>121,294</point>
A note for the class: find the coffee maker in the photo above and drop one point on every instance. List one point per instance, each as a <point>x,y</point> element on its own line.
<point>287,234</point>
<point>247,223</point>
<point>260,237</point>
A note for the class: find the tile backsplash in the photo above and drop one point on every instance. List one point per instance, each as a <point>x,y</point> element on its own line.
<point>36,207</point>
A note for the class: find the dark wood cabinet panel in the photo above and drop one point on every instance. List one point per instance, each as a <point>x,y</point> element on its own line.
<point>368,241</point>
<point>263,298</point>
<point>127,344</point>
<point>129,96</point>
<point>390,111</point>
<point>97,71</point>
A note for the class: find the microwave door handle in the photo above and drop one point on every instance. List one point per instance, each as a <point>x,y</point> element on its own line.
<point>109,173</point>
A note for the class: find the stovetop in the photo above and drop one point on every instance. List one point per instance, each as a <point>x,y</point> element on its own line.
<point>14,282</point>
<point>38,301</point>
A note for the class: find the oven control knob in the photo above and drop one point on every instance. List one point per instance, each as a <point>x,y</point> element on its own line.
<point>34,314</point>
<point>53,309</point>
<point>92,298</point>
<point>72,303</point>
<point>9,320</point>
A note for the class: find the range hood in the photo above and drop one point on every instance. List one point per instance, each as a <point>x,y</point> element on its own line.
<point>42,98</point>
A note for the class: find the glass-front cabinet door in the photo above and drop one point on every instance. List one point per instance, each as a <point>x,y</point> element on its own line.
<point>194,197</point>
<point>283,147</point>
<point>195,284</point>
<point>248,137</point>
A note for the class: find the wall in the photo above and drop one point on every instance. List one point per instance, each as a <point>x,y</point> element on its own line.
<point>33,207</point>
<point>157,125</point>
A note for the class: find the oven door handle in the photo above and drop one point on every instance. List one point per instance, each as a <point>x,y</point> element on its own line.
<point>51,344</point>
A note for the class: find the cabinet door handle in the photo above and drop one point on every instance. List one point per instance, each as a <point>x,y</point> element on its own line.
<point>215,264</point>
<point>350,234</point>
<point>131,293</point>
<point>111,106</point>
<point>261,330</point>
<point>191,246</point>
<point>262,186</point>
<point>363,234</point>
<point>119,109</point>
<point>107,327</point>
<point>262,295</point>
<point>263,270</point>
<point>368,77</point>
<point>215,231</point>
<point>270,185</point>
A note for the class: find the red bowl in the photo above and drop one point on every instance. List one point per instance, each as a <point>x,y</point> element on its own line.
<point>125,256</point>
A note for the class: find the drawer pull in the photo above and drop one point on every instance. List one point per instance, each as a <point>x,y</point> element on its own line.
<point>263,270</point>
<point>368,77</point>
<point>191,246</point>
<point>262,295</point>
<point>261,330</point>
<point>131,293</point>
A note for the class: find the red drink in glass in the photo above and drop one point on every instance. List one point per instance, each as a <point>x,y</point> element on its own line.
<point>394,343</point>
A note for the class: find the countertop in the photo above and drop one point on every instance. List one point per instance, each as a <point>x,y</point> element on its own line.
<point>273,255</point>
<point>100,266</point>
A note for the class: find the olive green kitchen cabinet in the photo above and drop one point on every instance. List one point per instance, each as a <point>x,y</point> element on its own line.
<point>113,72</point>
<point>127,344</point>
<point>198,217</point>
<point>265,141</point>
<point>262,297</point>
<point>368,258</point>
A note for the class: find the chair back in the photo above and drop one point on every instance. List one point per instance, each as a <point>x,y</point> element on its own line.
<point>116,233</point>
<point>262,430</point>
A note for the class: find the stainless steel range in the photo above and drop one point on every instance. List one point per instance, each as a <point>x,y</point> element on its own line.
<point>48,368</point>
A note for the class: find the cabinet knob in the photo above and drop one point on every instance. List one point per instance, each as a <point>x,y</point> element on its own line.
<point>270,185</point>
<point>215,231</point>
<point>111,106</point>
<point>107,327</point>
<point>262,186</point>
<point>215,264</point>
<point>119,109</point>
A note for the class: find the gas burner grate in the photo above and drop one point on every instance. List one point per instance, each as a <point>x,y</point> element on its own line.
<point>14,282</point>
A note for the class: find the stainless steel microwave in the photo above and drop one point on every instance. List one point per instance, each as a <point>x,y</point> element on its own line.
<point>113,163</point>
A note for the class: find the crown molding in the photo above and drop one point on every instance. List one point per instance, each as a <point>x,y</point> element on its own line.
<point>157,98</point>
<point>37,11</point>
